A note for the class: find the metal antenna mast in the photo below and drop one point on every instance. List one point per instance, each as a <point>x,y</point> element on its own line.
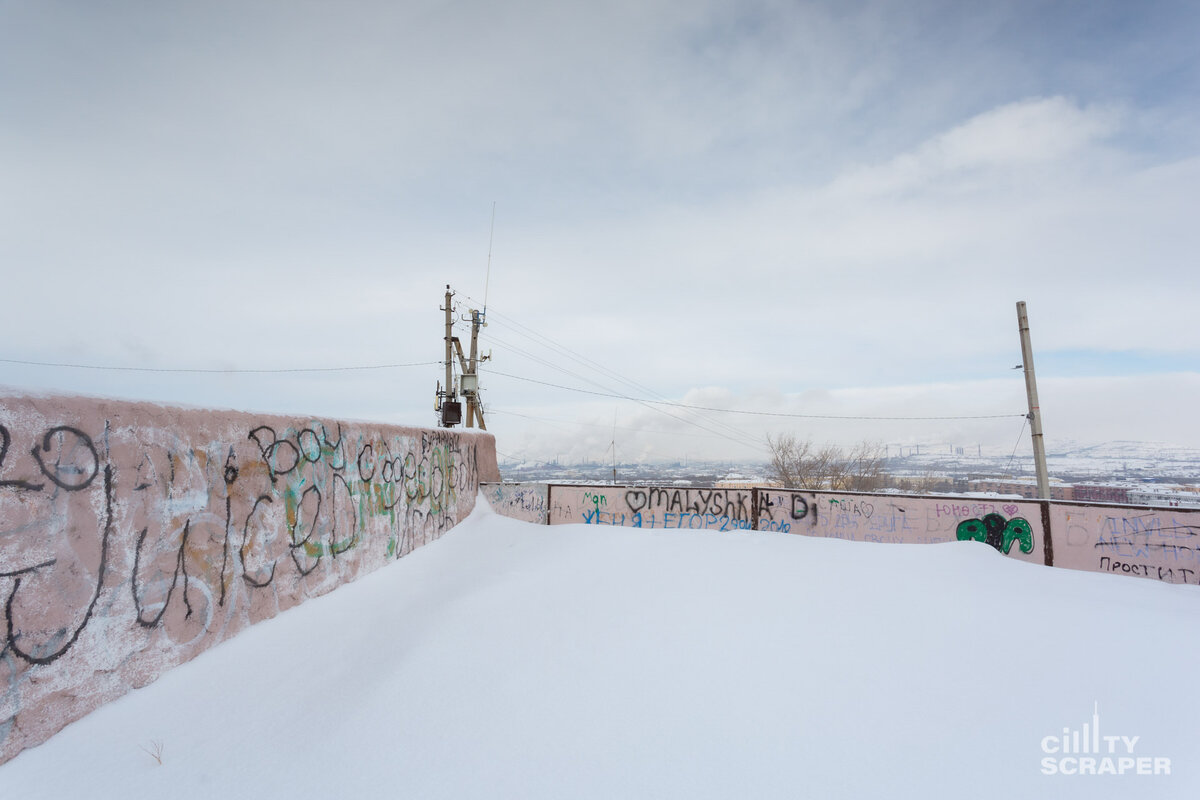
<point>448,405</point>
<point>488,275</point>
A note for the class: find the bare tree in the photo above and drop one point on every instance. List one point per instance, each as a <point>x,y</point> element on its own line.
<point>864,467</point>
<point>792,462</point>
<point>799,464</point>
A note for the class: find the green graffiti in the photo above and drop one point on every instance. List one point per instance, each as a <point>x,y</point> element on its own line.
<point>1018,529</point>
<point>971,529</point>
<point>321,549</point>
<point>993,529</point>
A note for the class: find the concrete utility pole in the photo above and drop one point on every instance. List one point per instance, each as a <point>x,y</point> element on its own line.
<point>474,407</point>
<point>614,447</point>
<point>449,384</point>
<point>469,382</point>
<point>448,404</point>
<point>450,410</point>
<point>1035,412</point>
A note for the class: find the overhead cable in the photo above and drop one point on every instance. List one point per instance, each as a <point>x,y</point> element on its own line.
<point>217,371</point>
<point>742,439</point>
<point>603,426</point>
<point>755,413</point>
<point>562,350</point>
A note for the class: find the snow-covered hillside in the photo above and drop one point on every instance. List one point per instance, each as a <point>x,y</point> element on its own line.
<point>512,660</point>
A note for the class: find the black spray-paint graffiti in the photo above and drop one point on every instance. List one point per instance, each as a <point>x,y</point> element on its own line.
<point>800,508</point>
<point>725,503</point>
<point>75,467</point>
<point>993,529</point>
<point>312,496</point>
<point>791,510</point>
<point>716,509</point>
<point>326,498</point>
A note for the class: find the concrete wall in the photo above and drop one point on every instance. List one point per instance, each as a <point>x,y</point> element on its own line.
<point>527,502</point>
<point>1162,544</point>
<point>652,507</point>
<point>1013,527</point>
<point>134,536</point>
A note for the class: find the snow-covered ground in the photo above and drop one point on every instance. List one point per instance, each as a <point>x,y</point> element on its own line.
<point>513,660</point>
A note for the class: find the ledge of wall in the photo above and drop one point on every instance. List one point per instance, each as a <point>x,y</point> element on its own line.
<point>134,536</point>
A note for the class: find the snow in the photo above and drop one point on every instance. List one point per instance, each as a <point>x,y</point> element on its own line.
<point>513,660</point>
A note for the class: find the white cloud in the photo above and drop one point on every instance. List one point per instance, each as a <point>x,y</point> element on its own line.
<point>766,198</point>
<point>1032,133</point>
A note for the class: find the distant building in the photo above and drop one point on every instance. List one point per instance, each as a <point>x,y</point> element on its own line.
<point>742,482</point>
<point>1146,496</point>
<point>1024,488</point>
<point>1181,497</point>
<point>1101,493</point>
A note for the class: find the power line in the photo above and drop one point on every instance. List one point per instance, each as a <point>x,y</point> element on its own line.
<point>1018,442</point>
<point>605,427</point>
<point>562,350</point>
<point>742,439</point>
<point>213,371</point>
<point>551,422</point>
<point>758,413</point>
<point>534,336</point>
<point>511,458</point>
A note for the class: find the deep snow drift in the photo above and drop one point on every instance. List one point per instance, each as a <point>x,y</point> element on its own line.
<point>514,660</point>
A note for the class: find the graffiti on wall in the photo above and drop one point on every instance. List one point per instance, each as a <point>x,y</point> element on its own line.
<point>653,507</point>
<point>524,501</point>
<point>998,532</point>
<point>179,529</point>
<point>873,518</point>
<point>67,463</point>
<point>1161,544</point>
<point>887,518</point>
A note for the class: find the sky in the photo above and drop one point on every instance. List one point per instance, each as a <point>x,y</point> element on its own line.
<point>514,660</point>
<point>790,208</point>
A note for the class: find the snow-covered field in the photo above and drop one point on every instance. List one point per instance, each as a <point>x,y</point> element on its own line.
<point>512,660</point>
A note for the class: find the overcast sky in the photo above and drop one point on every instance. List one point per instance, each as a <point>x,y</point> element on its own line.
<point>789,207</point>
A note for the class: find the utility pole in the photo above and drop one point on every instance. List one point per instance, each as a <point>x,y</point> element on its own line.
<point>449,344</point>
<point>450,410</point>
<point>1035,412</point>
<point>614,447</point>
<point>471,387</point>
<point>469,382</point>
<point>448,404</point>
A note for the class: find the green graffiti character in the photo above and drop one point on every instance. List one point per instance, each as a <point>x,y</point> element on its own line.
<point>1018,529</point>
<point>970,529</point>
<point>993,529</point>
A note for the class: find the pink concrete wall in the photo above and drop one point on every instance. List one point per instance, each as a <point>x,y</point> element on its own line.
<point>908,519</point>
<point>858,517</point>
<point>524,501</point>
<point>652,507</point>
<point>1156,543</point>
<point>134,536</point>
<point>1160,544</point>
